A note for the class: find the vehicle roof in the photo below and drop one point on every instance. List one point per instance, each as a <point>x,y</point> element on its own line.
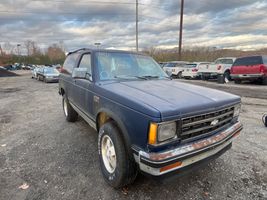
<point>85,50</point>
<point>253,56</point>
<point>226,58</point>
<point>177,62</point>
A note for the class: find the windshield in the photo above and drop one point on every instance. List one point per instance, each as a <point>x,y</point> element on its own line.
<point>175,64</point>
<point>113,65</point>
<point>50,71</point>
<point>224,61</point>
<point>191,65</point>
<point>254,60</point>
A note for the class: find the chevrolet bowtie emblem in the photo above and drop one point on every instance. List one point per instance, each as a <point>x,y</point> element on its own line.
<point>214,122</point>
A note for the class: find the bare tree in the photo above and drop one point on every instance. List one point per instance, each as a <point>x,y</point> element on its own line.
<point>8,48</point>
<point>32,48</point>
<point>55,52</point>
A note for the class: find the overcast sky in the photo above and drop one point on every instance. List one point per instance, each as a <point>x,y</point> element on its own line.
<point>238,24</point>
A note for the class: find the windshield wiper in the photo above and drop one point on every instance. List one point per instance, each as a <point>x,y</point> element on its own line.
<point>149,77</point>
<point>129,76</point>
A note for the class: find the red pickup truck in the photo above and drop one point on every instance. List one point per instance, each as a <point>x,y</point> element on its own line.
<point>250,68</point>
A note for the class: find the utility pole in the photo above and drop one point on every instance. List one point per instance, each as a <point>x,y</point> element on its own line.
<point>1,50</point>
<point>136,34</point>
<point>181,29</point>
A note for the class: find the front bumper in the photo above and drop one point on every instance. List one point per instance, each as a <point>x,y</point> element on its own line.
<point>157,164</point>
<point>52,80</point>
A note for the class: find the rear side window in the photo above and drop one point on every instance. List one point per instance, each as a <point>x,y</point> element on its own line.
<point>69,63</point>
<point>253,60</point>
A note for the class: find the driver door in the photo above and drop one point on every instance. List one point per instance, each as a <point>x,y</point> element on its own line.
<point>83,87</point>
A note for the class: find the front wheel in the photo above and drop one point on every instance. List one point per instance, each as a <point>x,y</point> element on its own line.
<point>117,167</point>
<point>70,114</point>
<point>179,75</point>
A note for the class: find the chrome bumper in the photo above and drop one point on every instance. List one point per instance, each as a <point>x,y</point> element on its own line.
<point>157,164</point>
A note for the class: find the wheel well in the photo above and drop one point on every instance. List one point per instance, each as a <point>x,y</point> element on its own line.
<point>102,118</point>
<point>228,70</point>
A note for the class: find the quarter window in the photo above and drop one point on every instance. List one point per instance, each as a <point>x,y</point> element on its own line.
<point>69,63</point>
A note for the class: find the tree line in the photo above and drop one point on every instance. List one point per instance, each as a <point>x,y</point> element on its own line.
<point>30,53</point>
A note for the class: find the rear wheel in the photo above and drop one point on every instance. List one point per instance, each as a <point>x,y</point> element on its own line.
<point>227,75</point>
<point>221,79</point>
<point>117,166</point>
<point>70,114</point>
<point>179,75</point>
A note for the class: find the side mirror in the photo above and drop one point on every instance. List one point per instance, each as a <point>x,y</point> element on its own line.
<point>81,73</point>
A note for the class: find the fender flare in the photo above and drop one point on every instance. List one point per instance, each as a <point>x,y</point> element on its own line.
<point>120,124</point>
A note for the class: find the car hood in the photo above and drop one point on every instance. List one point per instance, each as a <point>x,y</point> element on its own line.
<point>169,98</point>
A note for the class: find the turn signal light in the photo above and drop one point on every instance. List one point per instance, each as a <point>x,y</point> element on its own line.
<point>219,67</point>
<point>152,137</point>
<point>171,166</point>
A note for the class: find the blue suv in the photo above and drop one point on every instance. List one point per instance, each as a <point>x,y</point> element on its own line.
<point>145,121</point>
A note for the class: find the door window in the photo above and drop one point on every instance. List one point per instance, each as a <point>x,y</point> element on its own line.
<point>86,63</point>
<point>69,64</point>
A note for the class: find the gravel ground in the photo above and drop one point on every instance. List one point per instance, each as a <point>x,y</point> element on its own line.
<point>55,159</point>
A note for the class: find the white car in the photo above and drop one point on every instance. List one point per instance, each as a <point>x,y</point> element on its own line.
<point>191,69</point>
<point>175,68</point>
<point>221,67</point>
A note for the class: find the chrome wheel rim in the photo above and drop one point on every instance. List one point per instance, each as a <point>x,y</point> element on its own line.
<point>108,154</point>
<point>65,107</point>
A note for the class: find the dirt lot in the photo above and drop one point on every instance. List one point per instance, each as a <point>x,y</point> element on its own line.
<point>58,160</point>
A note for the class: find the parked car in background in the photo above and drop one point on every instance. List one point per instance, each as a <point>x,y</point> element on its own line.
<point>145,121</point>
<point>191,69</point>
<point>175,68</point>
<point>35,71</point>
<point>48,74</point>
<point>220,69</point>
<point>250,68</point>
<point>162,64</point>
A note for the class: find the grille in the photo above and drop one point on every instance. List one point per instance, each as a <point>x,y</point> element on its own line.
<point>205,123</point>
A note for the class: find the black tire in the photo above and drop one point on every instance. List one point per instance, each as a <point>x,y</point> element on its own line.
<point>220,79</point>
<point>237,81</point>
<point>125,170</point>
<point>179,75</point>
<point>227,75</point>
<point>264,81</point>
<point>45,80</point>
<point>38,78</point>
<point>70,114</point>
<point>204,78</point>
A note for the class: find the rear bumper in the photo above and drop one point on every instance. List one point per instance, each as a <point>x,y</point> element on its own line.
<point>157,164</point>
<point>188,74</point>
<point>246,76</point>
<point>208,74</point>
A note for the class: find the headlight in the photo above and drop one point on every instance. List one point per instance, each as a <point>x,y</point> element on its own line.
<point>237,110</point>
<point>161,132</point>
